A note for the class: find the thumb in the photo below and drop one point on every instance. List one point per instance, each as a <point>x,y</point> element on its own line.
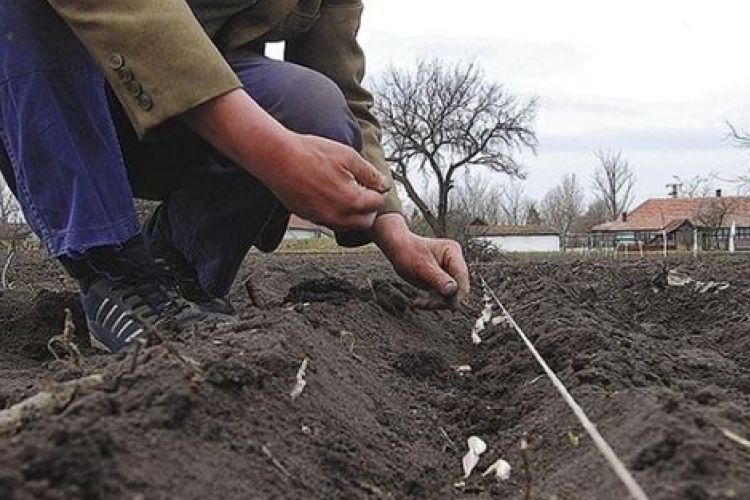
<point>367,175</point>
<point>440,281</point>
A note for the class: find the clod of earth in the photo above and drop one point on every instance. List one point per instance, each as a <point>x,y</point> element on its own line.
<point>45,403</point>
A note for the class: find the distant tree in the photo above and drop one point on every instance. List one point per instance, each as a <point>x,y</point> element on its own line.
<point>563,205</point>
<point>13,227</point>
<point>473,198</point>
<point>712,217</point>
<point>439,119</point>
<point>514,204</point>
<point>740,139</point>
<point>477,198</point>
<point>596,213</point>
<point>10,211</point>
<point>614,180</point>
<point>532,214</point>
<point>697,186</point>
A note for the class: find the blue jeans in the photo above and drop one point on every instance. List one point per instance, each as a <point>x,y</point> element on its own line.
<point>75,164</point>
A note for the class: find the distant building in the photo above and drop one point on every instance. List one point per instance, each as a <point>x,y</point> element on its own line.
<point>516,238</point>
<point>301,229</point>
<point>711,218</point>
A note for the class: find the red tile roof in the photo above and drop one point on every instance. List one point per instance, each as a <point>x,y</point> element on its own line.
<point>657,213</point>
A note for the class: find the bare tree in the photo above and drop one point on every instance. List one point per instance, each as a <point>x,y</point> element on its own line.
<point>513,203</point>
<point>532,213</point>
<point>563,205</point>
<point>441,118</point>
<point>740,138</point>
<point>13,227</point>
<point>614,180</point>
<point>597,212</point>
<point>477,198</point>
<point>711,217</point>
<point>10,212</point>
<point>697,186</point>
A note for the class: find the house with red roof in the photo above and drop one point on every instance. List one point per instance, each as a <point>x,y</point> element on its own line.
<point>681,220</point>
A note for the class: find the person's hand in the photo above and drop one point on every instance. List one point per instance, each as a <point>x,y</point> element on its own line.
<point>327,183</point>
<point>318,179</point>
<point>434,265</point>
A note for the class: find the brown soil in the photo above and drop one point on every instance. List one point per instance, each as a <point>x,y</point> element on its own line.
<point>385,413</point>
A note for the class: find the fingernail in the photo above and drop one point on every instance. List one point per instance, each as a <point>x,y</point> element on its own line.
<point>449,288</point>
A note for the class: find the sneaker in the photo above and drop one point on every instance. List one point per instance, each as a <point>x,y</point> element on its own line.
<point>158,237</point>
<point>119,312</point>
<point>124,296</point>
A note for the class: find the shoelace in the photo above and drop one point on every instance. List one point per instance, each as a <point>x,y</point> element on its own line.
<point>181,280</point>
<point>151,291</point>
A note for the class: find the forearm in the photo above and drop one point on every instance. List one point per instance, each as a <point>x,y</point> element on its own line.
<point>241,130</point>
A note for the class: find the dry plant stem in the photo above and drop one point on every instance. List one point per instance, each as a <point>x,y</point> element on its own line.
<point>45,403</point>
<point>736,438</point>
<point>4,279</point>
<point>618,467</point>
<point>526,469</point>
<point>372,290</point>
<point>252,293</point>
<point>65,339</point>
<point>300,384</point>
<point>275,462</point>
<point>448,438</point>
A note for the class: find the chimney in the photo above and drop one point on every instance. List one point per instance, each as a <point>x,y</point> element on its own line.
<point>624,216</point>
<point>718,193</point>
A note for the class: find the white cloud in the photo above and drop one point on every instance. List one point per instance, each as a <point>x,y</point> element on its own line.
<point>657,79</point>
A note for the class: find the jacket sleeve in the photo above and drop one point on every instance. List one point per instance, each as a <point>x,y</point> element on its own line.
<point>154,53</point>
<point>331,47</point>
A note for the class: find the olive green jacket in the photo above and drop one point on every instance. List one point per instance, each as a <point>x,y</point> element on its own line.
<point>161,61</point>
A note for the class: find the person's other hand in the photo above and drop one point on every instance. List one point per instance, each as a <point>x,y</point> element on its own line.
<point>434,265</point>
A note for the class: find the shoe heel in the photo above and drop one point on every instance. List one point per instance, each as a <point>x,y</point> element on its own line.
<point>95,342</point>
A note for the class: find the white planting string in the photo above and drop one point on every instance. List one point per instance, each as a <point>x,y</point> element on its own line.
<point>619,468</point>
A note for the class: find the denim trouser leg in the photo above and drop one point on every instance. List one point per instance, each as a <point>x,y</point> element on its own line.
<point>58,135</point>
<point>219,211</point>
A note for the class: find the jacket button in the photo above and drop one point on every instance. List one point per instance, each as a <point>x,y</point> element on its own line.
<point>116,61</point>
<point>126,76</point>
<point>135,89</point>
<point>145,102</point>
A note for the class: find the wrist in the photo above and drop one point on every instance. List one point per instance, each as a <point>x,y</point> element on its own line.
<point>389,231</point>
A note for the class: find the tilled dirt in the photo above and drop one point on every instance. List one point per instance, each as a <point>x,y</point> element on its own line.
<point>662,370</point>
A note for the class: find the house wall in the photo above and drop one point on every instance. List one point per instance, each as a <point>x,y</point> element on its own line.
<point>302,234</point>
<point>524,243</point>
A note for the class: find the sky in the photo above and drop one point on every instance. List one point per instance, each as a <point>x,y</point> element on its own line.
<point>656,79</point>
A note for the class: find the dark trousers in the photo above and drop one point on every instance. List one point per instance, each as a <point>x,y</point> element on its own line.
<point>75,164</point>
